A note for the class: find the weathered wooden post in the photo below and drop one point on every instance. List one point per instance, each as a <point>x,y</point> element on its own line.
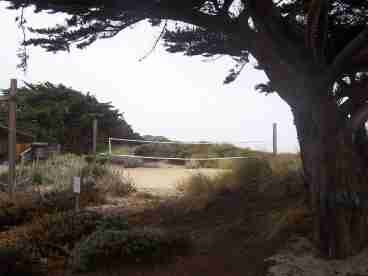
<point>94,143</point>
<point>12,135</point>
<point>77,190</point>
<point>110,150</point>
<point>274,136</point>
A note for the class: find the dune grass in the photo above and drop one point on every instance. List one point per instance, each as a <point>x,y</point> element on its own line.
<point>264,174</point>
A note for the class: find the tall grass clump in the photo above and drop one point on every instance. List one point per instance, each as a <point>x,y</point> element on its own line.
<point>116,182</point>
<point>276,176</point>
<point>56,174</point>
<point>252,170</point>
<point>198,184</point>
<point>45,187</point>
<point>56,171</point>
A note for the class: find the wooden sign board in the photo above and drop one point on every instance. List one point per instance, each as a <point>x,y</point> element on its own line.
<point>76,184</point>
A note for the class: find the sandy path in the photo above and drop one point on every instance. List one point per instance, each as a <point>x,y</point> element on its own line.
<point>163,181</point>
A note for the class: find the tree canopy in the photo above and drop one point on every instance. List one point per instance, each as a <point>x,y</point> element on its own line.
<point>302,34</point>
<point>58,114</point>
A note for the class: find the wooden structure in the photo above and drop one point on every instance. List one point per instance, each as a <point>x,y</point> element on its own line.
<point>24,141</point>
<point>40,151</point>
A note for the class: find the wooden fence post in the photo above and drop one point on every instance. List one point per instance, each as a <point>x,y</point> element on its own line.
<point>274,136</point>
<point>76,183</point>
<point>94,142</point>
<point>12,135</point>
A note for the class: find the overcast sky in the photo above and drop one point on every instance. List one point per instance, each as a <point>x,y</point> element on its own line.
<point>166,94</point>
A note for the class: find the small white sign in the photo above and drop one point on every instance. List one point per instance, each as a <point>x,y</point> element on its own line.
<point>76,184</point>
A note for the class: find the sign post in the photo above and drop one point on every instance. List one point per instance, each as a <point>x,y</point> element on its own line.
<point>94,145</point>
<point>76,191</point>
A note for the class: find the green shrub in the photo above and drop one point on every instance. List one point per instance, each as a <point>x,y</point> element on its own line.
<point>146,245</point>
<point>14,262</point>
<point>112,223</point>
<point>57,233</point>
<point>37,178</point>
<point>24,206</point>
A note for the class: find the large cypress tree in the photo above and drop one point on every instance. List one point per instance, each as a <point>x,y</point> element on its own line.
<point>315,56</point>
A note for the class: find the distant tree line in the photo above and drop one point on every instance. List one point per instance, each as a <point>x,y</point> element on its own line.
<point>58,114</point>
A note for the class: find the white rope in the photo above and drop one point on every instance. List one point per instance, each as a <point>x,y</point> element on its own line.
<point>181,142</point>
<point>178,158</point>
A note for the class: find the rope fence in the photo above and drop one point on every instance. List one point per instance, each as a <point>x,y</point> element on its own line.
<point>179,158</point>
<point>111,139</point>
<point>183,142</point>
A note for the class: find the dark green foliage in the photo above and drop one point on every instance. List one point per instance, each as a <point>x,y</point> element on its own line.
<point>112,223</point>
<point>38,178</point>
<point>23,207</point>
<point>58,114</point>
<point>64,200</point>
<point>143,246</point>
<point>14,262</point>
<point>69,227</point>
<point>50,235</point>
<point>57,234</point>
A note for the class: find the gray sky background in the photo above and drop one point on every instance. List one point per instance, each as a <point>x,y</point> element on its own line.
<point>166,94</point>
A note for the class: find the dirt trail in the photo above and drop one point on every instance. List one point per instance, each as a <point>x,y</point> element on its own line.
<point>231,233</point>
<point>163,182</point>
<point>154,187</point>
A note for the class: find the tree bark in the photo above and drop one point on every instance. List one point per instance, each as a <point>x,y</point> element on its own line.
<point>336,177</point>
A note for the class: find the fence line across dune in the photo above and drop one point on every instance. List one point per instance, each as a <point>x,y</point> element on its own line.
<point>131,156</point>
<point>183,142</point>
<point>179,158</point>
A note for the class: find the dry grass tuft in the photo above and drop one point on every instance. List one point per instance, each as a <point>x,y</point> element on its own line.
<point>116,182</point>
<point>272,176</point>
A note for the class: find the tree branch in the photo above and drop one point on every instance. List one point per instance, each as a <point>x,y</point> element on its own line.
<point>358,118</point>
<point>156,42</point>
<point>345,57</point>
<point>317,29</point>
<point>269,22</point>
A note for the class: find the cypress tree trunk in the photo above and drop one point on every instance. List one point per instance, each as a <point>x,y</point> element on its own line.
<point>336,177</point>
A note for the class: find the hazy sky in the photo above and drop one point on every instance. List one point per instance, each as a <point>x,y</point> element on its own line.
<point>166,94</point>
